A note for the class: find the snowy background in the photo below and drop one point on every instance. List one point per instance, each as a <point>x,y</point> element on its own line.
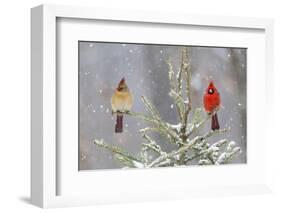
<point>101,67</point>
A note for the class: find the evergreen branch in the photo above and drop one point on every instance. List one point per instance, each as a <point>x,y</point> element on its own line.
<point>187,69</point>
<point>219,143</point>
<point>179,76</point>
<point>191,157</point>
<point>144,155</point>
<point>144,118</point>
<point>204,162</point>
<point>148,129</point>
<point>174,90</point>
<point>161,125</point>
<point>196,126</point>
<point>152,145</point>
<point>179,102</point>
<point>171,75</point>
<point>117,150</point>
<point>230,152</point>
<point>152,109</point>
<point>161,131</point>
<point>128,162</point>
<point>181,150</point>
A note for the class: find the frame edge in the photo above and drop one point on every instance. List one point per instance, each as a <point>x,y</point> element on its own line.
<point>37,106</point>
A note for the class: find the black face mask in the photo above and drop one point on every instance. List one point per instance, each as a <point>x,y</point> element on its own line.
<point>211,91</point>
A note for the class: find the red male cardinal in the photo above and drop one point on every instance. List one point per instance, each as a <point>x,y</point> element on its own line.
<point>121,102</point>
<point>211,102</point>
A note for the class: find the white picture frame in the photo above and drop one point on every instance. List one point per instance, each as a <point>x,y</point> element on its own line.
<point>46,167</point>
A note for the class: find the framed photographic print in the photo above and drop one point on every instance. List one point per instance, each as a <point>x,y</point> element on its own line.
<point>148,105</point>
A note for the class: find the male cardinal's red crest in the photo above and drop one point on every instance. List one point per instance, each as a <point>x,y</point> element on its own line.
<point>211,103</point>
<point>121,102</point>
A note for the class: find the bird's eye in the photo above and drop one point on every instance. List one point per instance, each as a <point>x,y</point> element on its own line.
<point>210,91</point>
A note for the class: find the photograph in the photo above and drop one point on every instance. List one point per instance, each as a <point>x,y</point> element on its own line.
<point>160,105</point>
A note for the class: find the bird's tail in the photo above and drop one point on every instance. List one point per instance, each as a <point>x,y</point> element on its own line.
<point>119,124</point>
<point>215,122</point>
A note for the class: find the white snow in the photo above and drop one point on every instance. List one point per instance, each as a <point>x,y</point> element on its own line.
<point>172,106</point>
<point>138,164</point>
<point>176,126</point>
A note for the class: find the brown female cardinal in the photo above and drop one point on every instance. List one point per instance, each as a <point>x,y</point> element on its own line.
<point>121,102</point>
<point>211,102</point>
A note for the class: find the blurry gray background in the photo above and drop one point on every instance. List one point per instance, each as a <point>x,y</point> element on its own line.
<point>101,67</point>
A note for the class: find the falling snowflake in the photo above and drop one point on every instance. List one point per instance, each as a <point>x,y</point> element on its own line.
<point>107,110</point>
<point>124,45</point>
<point>100,91</point>
<point>91,45</point>
<point>131,51</point>
<point>161,51</point>
<point>83,157</point>
<point>239,104</point>
<point>101,106</point>
<point>172,106</point>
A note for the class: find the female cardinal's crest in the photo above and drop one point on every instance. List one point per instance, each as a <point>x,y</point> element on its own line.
<point>121,82</point>
<point>122,85</point>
